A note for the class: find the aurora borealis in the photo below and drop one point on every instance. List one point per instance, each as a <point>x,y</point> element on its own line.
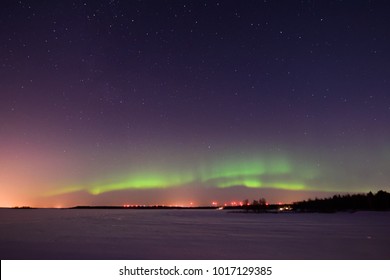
<point>189,102</point>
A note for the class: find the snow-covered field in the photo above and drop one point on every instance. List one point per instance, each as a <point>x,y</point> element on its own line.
<point>191,234</point>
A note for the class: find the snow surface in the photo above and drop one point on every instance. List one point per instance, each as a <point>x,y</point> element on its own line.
<point>191,234</point>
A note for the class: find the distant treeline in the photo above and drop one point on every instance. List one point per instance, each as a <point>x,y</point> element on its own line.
<point>142,207</point>
<point>374,202</point>
<point>257,206</point>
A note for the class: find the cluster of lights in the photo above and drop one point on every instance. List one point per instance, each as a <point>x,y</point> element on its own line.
<point>155,205</point>
<point>191,204</point>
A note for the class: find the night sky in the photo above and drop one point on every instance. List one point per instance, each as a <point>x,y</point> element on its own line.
<point>180,102</point>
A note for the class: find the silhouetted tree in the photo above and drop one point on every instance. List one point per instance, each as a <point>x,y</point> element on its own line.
<point>245,204</point>
<point>379,201</point>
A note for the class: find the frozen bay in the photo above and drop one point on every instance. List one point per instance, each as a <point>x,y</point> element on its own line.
<point>191,234</point>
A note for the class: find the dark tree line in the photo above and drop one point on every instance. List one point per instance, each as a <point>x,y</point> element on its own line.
<point>370,202</point>
<point>256,205</point>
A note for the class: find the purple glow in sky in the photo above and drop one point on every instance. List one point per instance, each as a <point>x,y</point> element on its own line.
<point>173,102</point>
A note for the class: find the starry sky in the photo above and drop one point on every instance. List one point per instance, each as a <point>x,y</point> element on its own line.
<point>192,102</point>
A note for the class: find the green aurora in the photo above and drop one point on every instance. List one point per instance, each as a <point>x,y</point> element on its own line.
<point>268,172</point>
